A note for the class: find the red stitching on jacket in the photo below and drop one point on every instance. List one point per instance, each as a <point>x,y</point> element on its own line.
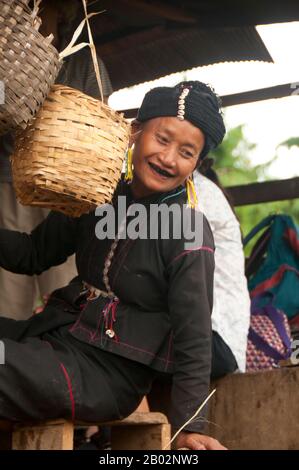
<point>141,350</point>
<point>69,384</point>
<point>93,338</point>
<point>187,252</point>
<point>77,322</point>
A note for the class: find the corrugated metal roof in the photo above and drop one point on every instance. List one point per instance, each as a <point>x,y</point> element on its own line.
<point>158,52</point>
<point>140,40</point>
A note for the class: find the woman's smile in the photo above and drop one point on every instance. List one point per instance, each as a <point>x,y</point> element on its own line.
<point>160,172</point>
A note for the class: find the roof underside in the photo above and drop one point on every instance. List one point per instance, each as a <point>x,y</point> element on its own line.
<point>161,51</point>
<point>140,40</point>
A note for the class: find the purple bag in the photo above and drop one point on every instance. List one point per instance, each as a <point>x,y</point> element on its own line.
<point>269,338</point>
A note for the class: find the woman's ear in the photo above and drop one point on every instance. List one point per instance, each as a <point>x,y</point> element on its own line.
<point>136,128</point>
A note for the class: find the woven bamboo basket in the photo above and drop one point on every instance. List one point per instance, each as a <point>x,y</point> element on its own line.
<point>70,156</point>
<point>29,64</point>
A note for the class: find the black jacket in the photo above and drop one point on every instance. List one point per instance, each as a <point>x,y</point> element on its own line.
<point>165,293</point>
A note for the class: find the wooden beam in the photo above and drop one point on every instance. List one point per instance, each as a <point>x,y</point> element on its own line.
<point>279,91</point>
<point>52,435</point>
<point>159,9</point>
<point>268,191</point>
<point>151,437</point>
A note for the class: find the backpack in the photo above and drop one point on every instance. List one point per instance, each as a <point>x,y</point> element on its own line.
<point>273,280</point>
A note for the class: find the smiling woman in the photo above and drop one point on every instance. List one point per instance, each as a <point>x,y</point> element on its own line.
<point>174,128</point>
<point>139,306</point>
<point>165,154</point>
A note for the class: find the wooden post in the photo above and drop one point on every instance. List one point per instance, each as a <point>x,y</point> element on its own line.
<point>5,435</point>
<point>52,435</point>
<point>141,431</point>
<point>148,437</point>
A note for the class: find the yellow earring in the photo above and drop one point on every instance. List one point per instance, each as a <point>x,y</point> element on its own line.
<point>129,165</point>
<point>191,193</point>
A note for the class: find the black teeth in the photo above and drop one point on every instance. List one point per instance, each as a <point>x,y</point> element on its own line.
<point>159,170</point>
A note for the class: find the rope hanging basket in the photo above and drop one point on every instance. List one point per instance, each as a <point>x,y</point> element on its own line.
<point>29,64</point>
<point>70,156</point>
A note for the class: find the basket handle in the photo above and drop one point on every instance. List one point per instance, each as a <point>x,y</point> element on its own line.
<point>93,51</point>
<point>71,48</point>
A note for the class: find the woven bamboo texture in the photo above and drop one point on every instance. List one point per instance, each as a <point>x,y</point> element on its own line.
<point>29,64</point>
<point>70,156</point>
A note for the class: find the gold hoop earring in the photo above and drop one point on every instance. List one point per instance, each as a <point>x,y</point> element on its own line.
<point>129,164</point>
<point>191,193</point>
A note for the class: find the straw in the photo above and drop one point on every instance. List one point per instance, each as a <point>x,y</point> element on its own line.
<point>189,420</point>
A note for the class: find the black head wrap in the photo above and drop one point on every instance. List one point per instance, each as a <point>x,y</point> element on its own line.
<point>199,105</point>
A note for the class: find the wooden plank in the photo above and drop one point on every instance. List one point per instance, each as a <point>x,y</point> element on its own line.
<point>56,435</point>
<point>261,94</point>
<point>141,418</point>
<point>5,434</point>
<point>138,418</point>
<point>257,410</point>
<point>147,437</point>
<point>279,91</point>
<point>5,425</point>
<point>161,10</point>
<point>268,191</point>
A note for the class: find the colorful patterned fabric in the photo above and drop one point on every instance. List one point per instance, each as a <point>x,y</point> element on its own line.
<point>273,273</point>
<point>269,338</point>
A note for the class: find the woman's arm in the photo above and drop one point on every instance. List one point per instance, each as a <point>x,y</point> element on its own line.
<point>49,244</point>
<point>190,302</point>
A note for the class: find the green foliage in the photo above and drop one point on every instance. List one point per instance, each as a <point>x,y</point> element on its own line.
<point>233,166</point>
<point>232,160</point>
<point>293,141</point>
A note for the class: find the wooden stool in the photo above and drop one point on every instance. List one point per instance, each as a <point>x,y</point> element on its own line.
<point>140,431</point>
<point>257,410</point>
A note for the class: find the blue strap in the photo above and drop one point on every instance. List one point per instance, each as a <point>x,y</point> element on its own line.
<point>264,223</point>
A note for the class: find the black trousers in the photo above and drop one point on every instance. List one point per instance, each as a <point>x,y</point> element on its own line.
<point>54,375</point>
<point>57,376</point>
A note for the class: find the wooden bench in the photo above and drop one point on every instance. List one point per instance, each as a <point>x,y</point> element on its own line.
<point>140,431</point>
<point>249,411</point>
<point>257,410</point>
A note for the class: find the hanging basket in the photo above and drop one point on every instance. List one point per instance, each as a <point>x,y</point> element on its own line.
<point>70,156</point>
<point>29,64</point>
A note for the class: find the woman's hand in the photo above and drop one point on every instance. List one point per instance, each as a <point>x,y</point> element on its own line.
<point>195,441</point>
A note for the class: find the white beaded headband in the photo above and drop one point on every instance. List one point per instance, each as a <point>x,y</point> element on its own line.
<point>181,103</point>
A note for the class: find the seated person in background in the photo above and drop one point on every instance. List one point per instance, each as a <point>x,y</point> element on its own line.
<point>231,308</point>
<point>18,291</point>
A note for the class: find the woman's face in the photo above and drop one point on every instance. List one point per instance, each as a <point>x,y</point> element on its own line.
<point>166,152</point>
